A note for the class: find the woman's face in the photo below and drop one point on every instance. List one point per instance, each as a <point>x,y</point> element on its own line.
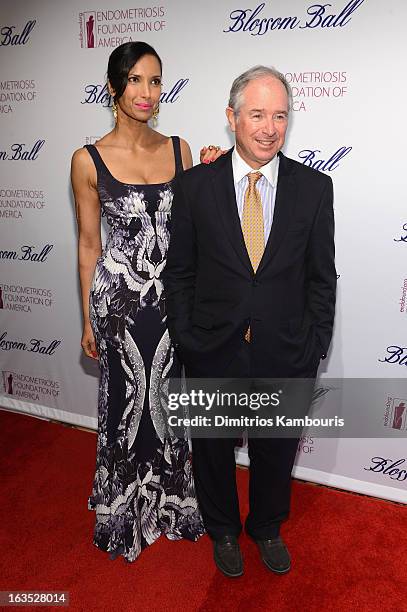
<point>142,93</point>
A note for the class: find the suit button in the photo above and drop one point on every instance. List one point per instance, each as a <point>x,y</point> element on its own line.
<point>255,283</point>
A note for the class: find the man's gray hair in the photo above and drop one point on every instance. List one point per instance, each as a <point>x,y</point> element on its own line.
<point>257,72</point>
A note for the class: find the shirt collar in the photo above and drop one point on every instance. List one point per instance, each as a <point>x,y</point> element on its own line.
<point>241,168</point>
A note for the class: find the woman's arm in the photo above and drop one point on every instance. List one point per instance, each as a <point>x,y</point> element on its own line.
<point>87,204</point>
<point>186,155</point>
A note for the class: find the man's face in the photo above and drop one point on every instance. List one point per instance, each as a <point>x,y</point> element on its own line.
<point>261,122</point>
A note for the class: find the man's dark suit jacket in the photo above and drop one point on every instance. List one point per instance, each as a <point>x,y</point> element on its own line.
<point>212,293</point>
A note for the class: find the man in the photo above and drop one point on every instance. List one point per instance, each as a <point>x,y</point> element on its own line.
<point>250,282</point>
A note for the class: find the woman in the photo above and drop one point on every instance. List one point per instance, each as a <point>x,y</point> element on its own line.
<point>143,485</point>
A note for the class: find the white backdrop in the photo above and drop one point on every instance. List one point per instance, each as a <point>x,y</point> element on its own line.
<point>346,63</point>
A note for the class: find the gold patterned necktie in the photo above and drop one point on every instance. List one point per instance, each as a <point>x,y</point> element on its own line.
<point>253,225</point>
<point>252,221</point>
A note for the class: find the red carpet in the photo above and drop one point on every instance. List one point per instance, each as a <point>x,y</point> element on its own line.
<point>349,552</point>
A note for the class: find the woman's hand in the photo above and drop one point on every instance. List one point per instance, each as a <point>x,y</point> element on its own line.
<point>210,153</point>
<point>88,342</point>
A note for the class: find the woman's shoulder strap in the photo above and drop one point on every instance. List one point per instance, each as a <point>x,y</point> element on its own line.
<point>177,154</point>
<point>95,155</point>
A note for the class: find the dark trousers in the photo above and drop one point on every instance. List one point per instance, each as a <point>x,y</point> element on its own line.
<point>271,462</point>
<point>214,467</point>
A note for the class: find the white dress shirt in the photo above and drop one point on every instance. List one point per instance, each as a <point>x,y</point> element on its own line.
<point>266,185</point>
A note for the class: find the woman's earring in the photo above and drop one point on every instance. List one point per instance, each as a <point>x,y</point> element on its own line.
<point>155,115</point>
<point>114,111</point>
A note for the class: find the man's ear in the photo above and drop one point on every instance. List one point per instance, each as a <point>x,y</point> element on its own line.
<point>230,114</point>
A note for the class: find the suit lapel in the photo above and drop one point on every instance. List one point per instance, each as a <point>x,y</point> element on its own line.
<point>224,189</point>
<point>284,205</point>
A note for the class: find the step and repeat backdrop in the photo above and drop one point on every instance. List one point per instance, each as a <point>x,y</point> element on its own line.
<point>345,62</point>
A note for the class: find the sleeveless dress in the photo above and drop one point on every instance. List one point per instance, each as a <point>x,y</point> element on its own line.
<point>143,486</point>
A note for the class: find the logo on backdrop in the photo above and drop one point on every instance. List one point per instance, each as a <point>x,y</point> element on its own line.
<point>28,387</point>
<point>395,413</point>
<point>28,253</point>
<point>34,345</point>
<point>389,467</point>
<point>15,92</point>
<point>24,299</point>
<point>14,203</point>
<point>111,28</point>
<point>403,235</point>
<point>257,22</point>
<point>403,300</point>
<point>313,85</point>
<point>21,152</point>
<point>13,36</point>
<point>91,139</point>
<point>395,355</point>
<point>306,445</point>
<point>99,94</point>
<point>325,163</point>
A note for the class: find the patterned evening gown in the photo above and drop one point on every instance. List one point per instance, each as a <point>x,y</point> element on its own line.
<point>143,485</point>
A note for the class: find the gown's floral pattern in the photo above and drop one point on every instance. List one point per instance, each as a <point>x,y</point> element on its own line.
<point>143,485</point>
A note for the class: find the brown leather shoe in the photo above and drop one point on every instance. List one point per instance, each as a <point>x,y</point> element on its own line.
<point>228,557</point>
<point>275,555</point>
